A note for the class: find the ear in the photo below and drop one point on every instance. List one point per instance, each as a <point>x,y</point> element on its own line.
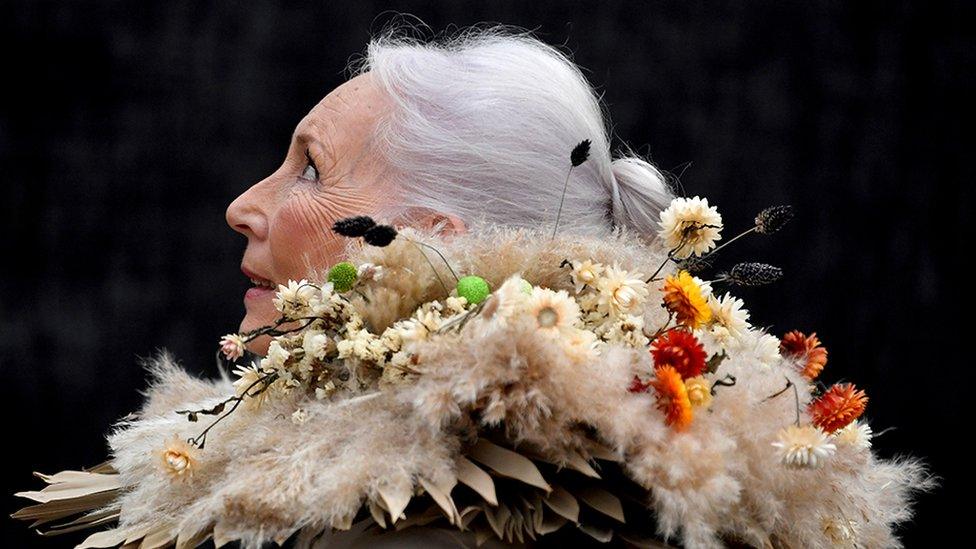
<point>436,222</point>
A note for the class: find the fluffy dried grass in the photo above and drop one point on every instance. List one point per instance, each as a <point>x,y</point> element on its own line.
<point>263,477</point>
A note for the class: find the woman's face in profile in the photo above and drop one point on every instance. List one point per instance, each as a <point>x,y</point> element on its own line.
<point>327,175</point>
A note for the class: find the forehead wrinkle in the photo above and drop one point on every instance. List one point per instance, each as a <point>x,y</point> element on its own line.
<point>305,136</point>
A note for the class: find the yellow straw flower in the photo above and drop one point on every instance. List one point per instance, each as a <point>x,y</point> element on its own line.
<point>683,297</point>
<point>699,391</point>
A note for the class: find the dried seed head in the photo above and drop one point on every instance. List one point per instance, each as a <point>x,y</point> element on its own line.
<point>380,235</point>
<point>354,226</point>
<point>695,265</point>
<point>580,153</point>
<point>773,219</point>
<point>753,274</point>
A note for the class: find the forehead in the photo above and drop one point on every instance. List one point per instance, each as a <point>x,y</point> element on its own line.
<point>347,112</point>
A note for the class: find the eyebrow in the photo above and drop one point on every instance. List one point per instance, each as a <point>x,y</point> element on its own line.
<point>303,137</point>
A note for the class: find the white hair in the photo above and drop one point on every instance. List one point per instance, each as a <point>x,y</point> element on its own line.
<point>482,126</point>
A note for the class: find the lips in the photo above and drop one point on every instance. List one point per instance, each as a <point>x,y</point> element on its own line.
<point>262,288</point>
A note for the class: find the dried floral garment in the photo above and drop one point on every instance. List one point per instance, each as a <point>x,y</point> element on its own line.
<point>477,400</point>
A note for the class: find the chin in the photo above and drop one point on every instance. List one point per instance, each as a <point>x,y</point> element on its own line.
<point>256,319</point>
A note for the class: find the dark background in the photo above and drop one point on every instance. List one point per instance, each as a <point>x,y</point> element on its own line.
<point>127,127</point>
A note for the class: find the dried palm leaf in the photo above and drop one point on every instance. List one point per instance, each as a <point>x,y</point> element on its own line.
<point>71,493</point>
<point>395,499</point>
<point>477,479</point>
<point>508,463</point>
<point>563,503</point>
<point>603,501</point>
<point>442,497</point>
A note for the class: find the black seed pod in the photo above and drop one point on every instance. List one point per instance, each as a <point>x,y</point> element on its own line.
<point>695,265</point>
<point>580,153</point>
<point>753,274</point>
<point>773,219</point>
<point>354,226</point>
<point>380,235</point>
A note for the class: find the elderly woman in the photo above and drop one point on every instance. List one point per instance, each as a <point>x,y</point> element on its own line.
<point>448,135</point>
<point>576,391</point>
<point>444,136</point>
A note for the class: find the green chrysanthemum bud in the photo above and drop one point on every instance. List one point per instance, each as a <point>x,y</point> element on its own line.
<point>473,288</point>
<point>525,286</point>
<point>343,275</point>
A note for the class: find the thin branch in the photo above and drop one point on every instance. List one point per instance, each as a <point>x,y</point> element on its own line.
<point>796,397</point>
<point>438,252</point>
<point>685,235</point>
<point>727,381</point>
<point>561,200</point>
<point>737,237</point>
<point>200,440</point>
<point>436,274</point>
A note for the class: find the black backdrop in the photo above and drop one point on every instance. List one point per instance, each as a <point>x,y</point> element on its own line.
<point>127,127</point>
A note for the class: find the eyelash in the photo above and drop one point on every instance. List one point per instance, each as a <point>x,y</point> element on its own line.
<point>311,164</point>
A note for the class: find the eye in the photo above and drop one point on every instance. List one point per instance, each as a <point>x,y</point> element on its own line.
<point>311,171</point>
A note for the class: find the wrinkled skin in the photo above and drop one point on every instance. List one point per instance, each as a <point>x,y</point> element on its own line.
<point>286,216</point>
<point>329,172</point>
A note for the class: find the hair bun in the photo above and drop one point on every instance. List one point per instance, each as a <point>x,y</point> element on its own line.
<point>640,193</point>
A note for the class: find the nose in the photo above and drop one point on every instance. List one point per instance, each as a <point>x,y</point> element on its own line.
<point>247,215</point>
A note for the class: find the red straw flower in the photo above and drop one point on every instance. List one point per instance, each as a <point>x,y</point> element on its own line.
<point>806,348</point>
<point>680,350</point>
<point>838,407</point>
<point>638,386</point>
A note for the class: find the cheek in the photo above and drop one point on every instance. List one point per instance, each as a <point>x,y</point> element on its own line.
<point>300,235</point>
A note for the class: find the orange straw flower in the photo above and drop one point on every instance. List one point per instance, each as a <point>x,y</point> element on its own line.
<point>680,350</point>
<point>838,407</point>
<point>178,458</point>
<point>806,348</point>
<point>672,397</point>
<point>683,297</point>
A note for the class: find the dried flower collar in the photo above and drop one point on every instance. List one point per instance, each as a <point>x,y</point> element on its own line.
<point>325,349</point>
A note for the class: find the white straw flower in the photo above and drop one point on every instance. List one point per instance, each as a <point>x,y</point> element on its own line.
<point>729,319</point>
<point>621,292</point>
<point>456,304</point>
<point>425,320</point>
<point>316,344</point>
<point>503,305</point>
<point>581,346</point>
<point>299,416</point>
<point>292,299</point>
<point>250,385</point>
<point>628,330</point>
<point>856,434</point>
<point>586,273</point>
<point>762,345</point>
<point>325,301</point>
<point>363,345</point>
<point>841,532</point>
<point>690,226</point>
<point>232,346</point>
<point>550,311</point>
<point>704,286</point>
<point>276,358</point>
<point>369,271</point>
<point>805,447</point>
